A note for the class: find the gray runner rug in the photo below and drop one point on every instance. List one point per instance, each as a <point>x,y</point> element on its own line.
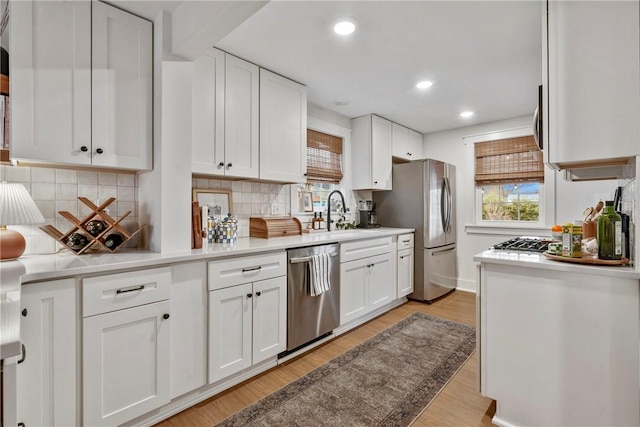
<point>387,380</point>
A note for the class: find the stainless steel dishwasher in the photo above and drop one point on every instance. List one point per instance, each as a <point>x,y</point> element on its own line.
<point>309,318</point>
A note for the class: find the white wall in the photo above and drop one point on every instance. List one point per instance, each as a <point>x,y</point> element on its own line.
<point>570,198</point>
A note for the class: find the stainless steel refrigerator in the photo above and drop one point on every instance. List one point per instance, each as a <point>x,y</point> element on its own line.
<point>423,197</point>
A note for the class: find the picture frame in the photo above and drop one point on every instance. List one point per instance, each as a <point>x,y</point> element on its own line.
<point>307,201</point>
<point>220,202</point>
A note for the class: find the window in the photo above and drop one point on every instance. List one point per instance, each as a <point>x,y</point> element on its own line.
<point>324,157</point>
<point>509,176</point>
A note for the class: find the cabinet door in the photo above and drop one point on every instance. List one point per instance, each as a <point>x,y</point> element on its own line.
<point>126,363</point>
<point>354,290</point>
<point>405,272</point>
<point>594,89</point>
<point>188,327</point>
<point>208,113</point>
<point>46,380</point>
<point>414,146</point>
<point>400,141</point>
<point>230,314</point>
<point>269,318</point>
<point>51,81</point>
<point>283,128</point>
<point>382,280</point>
<point>241,118</point>
<point>380,153</point>
<point>122,77</point>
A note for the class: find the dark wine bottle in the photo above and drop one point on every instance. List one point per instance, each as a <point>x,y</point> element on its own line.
<point>77,241</point>
<point>95,227</point>
<point>113,240</point>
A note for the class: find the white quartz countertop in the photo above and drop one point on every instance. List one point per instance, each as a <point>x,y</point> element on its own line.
<point>34,268</point>
<point>536,260</point>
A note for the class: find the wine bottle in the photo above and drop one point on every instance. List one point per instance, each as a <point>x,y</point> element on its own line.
<point>113,240</point>
<point>77,241</point>
<point>95,227</point>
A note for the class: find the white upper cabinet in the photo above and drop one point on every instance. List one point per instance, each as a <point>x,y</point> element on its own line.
<point>241,123</point>
<point>371,141</point>
<point>207,136</point>
<point>406,143</point>
<point>51,81</point>
<point>283,128</point>
<point>81,80</point>
<point>225,127</point>
<point>593,81</point>
<point>121,89</point>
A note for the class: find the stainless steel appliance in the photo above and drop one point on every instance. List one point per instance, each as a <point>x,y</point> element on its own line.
<point>523,244</point>
<point>368,215</point>
<point>309,318</point>
<point>423,198</point>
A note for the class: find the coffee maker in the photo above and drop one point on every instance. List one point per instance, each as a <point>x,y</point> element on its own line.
<point>368,217</point>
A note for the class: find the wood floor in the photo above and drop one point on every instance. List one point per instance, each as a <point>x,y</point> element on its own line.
<point>459,404</point>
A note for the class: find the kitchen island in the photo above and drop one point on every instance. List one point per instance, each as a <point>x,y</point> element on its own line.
<point>558,342</point>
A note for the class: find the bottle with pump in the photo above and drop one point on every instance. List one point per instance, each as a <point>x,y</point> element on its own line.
<point>609,233</point>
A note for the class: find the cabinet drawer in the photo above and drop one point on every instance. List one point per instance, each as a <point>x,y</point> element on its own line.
<point>235,271</point>
<point>405,241</point>
<point>118,291</point>
<point>350,251</point>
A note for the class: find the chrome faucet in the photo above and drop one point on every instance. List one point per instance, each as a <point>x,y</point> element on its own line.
<point>329,207</point>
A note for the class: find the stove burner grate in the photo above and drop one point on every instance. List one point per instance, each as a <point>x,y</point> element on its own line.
<point>523,244</point>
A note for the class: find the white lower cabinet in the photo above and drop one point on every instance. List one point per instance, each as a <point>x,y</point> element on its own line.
<point>365,285</point>
<point>405,272</point>
<point>188,327</point>
<point>46,376</point>
<point>126,345</point>
<point>247,325</point>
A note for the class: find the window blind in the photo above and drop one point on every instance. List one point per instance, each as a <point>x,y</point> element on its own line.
<point>508,160</point>
<point>324,157</point>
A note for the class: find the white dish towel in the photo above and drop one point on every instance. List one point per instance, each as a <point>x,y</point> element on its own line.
<point>319,274</point>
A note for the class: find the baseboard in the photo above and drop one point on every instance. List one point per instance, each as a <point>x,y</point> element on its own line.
<point>466,285</point>
<point>369,316</point>
<point>500,422</point>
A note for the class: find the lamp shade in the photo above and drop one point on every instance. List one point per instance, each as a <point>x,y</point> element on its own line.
<point>17,207</point>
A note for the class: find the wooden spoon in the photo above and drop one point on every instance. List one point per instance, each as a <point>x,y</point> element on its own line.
<point>598,210</point>
<point>586,215</point>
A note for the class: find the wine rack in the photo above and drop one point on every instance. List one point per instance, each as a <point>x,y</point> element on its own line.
<point>96,242</point>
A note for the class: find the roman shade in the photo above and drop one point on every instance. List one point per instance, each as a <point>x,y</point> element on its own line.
<point>508,160</point>
<point>324,157</point>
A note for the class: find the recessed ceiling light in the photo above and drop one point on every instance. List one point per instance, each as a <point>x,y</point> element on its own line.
<point>426,84</point>
<point>466,114</point>
<point>344,28</point>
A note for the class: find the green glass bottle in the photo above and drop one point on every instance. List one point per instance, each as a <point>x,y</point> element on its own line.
<point>609,233</point>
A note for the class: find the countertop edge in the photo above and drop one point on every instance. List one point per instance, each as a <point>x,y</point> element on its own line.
<point>536,260</point>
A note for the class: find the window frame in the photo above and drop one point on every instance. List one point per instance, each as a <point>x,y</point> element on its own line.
<point>547,193</point>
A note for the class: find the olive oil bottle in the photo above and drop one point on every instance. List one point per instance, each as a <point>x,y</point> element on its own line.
<point>609,233</point>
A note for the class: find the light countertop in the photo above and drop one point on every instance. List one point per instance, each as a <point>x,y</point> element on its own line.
<point>34,268</point>
<point>536,260</point>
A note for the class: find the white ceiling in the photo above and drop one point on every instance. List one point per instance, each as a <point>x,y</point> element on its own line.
<point>483,56</point>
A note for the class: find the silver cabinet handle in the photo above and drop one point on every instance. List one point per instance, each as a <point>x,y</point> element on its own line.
<point>406,241</point>
<point>244,270</point>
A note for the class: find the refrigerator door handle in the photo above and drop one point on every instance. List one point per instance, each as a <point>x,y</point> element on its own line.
<point>443,251</point>
<point>444,204</point>
<point>449,205</point>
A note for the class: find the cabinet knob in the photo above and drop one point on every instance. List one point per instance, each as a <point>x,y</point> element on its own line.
<point>258,293</point>
<point>21,425</point>
<point>221,164</point>
<point>229,164</point>
<point>408,154</point>
<point>99,150</point>
<point>84,148</point>
<point>24,312</point>
<point>375,182</point>
<point>249,295</point>
<point>165,316</point>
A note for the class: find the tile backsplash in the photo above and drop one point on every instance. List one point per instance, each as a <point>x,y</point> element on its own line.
<point>56,190</point>
<point>251,199</point>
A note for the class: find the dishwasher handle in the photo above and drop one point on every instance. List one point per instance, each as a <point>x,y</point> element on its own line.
<point>297,260</point>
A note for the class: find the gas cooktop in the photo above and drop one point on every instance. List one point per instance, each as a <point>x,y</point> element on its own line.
<point>523,244</point>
